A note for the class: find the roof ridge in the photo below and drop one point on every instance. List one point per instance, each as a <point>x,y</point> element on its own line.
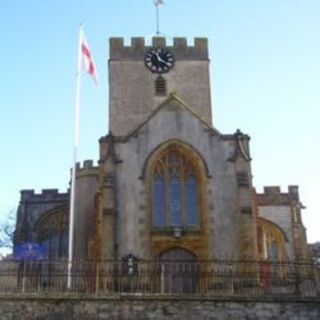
<point>172,96</point>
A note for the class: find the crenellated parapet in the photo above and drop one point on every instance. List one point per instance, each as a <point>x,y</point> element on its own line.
<point>272,195</point>
<point>44,195</point>
<point>85,165</point>
<point>135,92</point>
<point>34,205</point>
<point>86,168</point>
<point>138,48</point>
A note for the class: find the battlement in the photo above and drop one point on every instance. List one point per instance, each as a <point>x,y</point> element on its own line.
<point>86,169</point>
<point>45,194</point>
<point>292,190</point>
<point>138,48</point>
<point>87,164</point>
<point>272,190</point>
<point>272,195</point>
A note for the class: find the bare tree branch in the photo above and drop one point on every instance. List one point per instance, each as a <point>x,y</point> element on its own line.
<point>7,227</point>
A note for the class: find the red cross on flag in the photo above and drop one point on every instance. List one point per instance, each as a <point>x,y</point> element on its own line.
<point>88,61</point>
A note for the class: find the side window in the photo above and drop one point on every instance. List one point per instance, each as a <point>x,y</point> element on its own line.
<point>271,242</point>
<point>53,234</point>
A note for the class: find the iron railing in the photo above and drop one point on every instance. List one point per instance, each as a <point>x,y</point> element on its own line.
<point>205,278</point>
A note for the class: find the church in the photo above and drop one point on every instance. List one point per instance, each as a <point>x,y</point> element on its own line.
<point>168,185</point>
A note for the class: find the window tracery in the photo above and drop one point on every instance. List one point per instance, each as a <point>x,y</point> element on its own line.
<point>271,242</point>
<point>53,234</point>
<point>175,190</point>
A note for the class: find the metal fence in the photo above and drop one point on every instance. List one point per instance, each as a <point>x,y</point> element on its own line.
<point>204,278</point>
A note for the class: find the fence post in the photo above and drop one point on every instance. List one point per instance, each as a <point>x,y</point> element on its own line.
<point>97,277</point>
<point>24,277</point>
<point>162,270</point>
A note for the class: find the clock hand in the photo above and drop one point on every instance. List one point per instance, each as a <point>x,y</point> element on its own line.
<point>161,60</point>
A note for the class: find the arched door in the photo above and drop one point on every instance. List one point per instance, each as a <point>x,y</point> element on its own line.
<point>178,271</point>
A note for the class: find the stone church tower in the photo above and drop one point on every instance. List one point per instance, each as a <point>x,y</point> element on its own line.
<point>168,184</point>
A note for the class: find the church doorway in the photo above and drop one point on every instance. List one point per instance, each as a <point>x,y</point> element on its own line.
<point>178,271</point>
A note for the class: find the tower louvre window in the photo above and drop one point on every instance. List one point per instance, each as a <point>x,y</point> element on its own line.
<point>160,86</point>
<point>243,179</point>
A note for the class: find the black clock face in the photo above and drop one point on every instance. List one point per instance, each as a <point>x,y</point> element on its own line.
<point>159,60</point>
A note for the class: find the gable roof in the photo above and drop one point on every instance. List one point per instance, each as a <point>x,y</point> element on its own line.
<point>173,97</point>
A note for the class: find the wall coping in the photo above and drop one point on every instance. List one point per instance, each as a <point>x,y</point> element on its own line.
<point>134,297</point>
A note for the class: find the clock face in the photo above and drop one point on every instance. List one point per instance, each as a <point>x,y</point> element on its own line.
<point>159,60</point>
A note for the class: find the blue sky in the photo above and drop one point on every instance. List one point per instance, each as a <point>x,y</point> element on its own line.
<point>265,76</point>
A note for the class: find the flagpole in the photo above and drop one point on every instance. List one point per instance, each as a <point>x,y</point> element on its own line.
<point>157,12</point>
<point>75,147</point>
<point>157,3</point>
<point>157,17</point>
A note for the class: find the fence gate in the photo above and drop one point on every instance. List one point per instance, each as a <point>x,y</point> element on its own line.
<point>178,271</point>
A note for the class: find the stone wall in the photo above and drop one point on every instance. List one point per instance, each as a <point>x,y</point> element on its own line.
<point>32,206</point>
<point>284,209</point>
<point>132,86</point>
<point>220,189</point>
<point>85,209</point>
<point>281,216</point>
<point>130,307</point>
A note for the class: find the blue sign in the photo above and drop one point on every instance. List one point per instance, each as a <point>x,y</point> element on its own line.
<point>29,251</point>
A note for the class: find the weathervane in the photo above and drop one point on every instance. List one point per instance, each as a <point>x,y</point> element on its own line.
<point>157,3</point>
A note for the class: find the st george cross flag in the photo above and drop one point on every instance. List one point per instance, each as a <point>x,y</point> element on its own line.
<point>84,59</point>
<point>89,64</point>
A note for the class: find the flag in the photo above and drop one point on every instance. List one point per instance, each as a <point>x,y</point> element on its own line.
<point>157,2</point>
<point>88,62</point>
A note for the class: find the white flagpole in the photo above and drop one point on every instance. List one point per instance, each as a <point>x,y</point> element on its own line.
<point>157,13</point>
<point>157,3</point>
<point>75,147</point>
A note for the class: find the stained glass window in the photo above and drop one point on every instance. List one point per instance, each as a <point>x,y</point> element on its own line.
<point>274,250</point>
<point>64,242</point>
<point>53,234</point>
<point>175,205</point>
<point>159,201</point>
<point>271,241</point>
<point>191,202</point>
<point>175,190</point>
<point>54,245</point>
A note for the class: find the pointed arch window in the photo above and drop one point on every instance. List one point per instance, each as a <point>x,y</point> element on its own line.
<point>175,190</point>
<point>53,234</point>
<point>271,241</point>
